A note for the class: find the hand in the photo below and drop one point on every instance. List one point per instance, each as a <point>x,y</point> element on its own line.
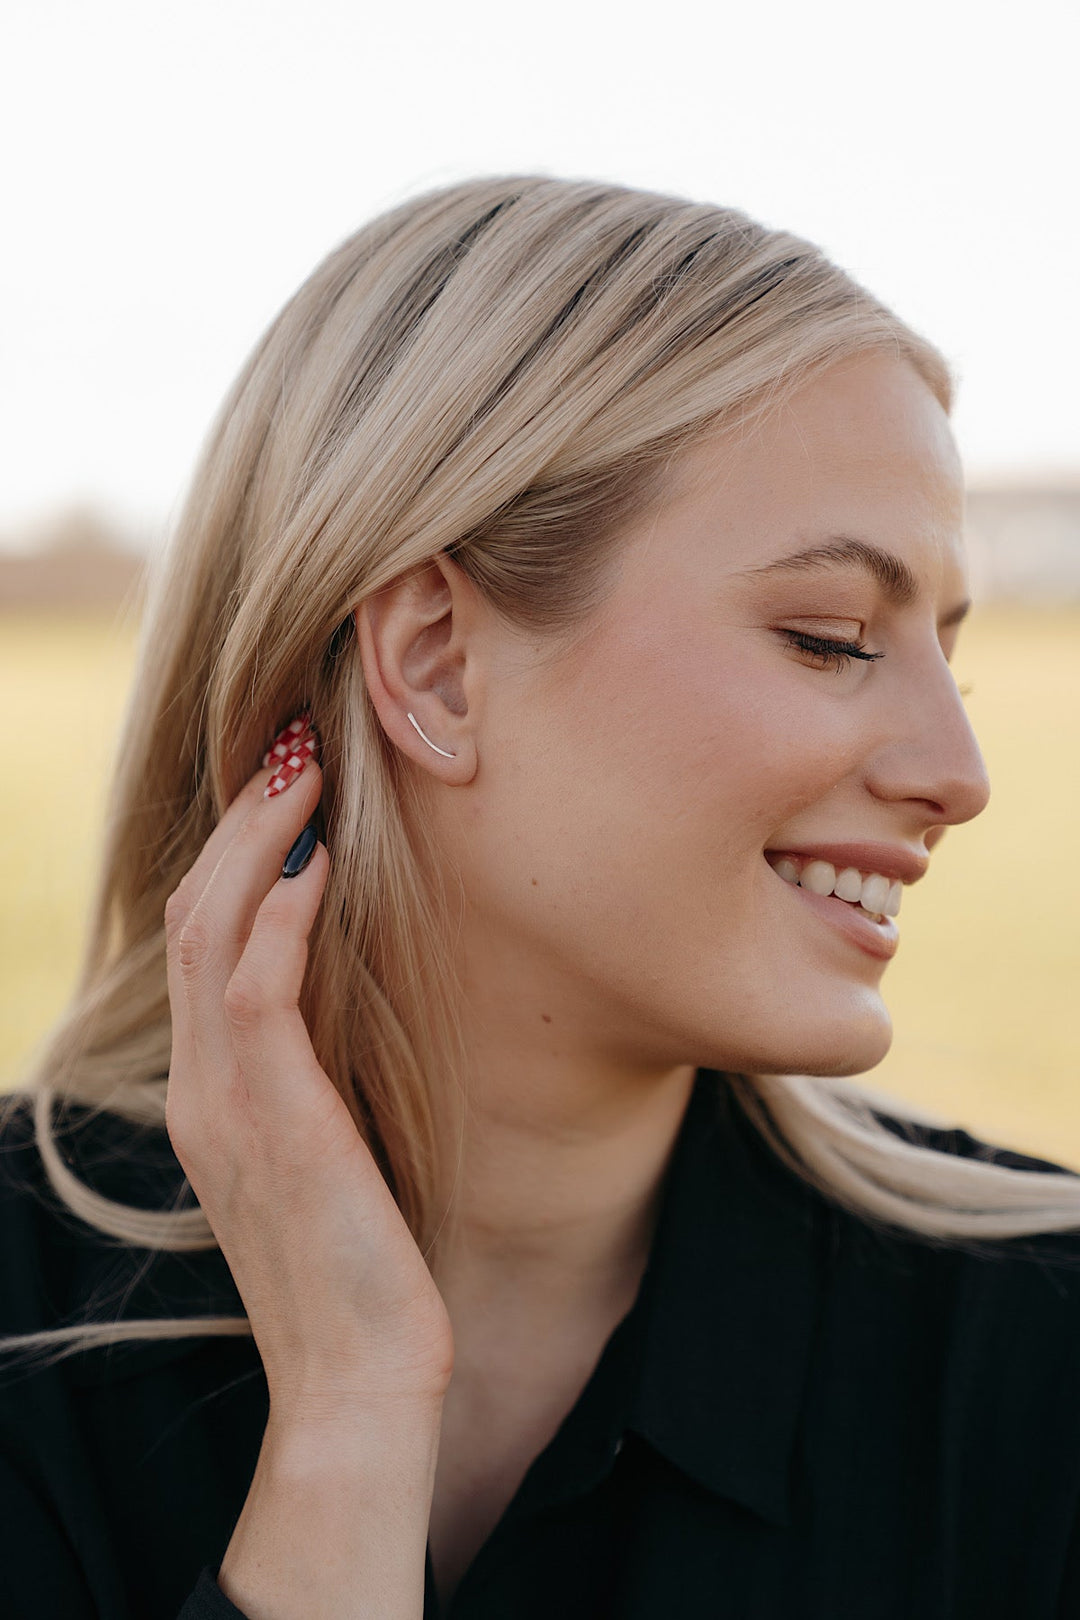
<point>343,1308</point>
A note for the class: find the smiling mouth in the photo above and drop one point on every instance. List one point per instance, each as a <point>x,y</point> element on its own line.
<point>874,932</point>
<point>870,893</point>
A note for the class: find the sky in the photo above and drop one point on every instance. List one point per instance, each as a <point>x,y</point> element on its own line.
<point>174,171</point>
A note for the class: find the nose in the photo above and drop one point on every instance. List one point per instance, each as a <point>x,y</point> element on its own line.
<point>930,753</point>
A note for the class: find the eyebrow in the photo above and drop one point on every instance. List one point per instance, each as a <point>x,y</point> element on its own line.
<point>898,584</point>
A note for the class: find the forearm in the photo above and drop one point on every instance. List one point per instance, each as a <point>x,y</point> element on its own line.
<point>335,1524</point>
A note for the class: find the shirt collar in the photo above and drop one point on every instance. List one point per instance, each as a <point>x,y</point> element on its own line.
<point>727,1308</point>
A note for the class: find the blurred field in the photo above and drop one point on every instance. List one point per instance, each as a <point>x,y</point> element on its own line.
<point>983,990</point>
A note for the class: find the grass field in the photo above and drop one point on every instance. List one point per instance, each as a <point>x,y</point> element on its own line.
<point>983,990</point>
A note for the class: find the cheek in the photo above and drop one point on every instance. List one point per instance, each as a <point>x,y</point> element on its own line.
<point>736,739</point>
<point>654,779</point>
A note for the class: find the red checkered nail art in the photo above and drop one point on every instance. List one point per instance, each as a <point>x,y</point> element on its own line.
<point>290,751</point>
<point>288,738</point>
<point>290,768</point>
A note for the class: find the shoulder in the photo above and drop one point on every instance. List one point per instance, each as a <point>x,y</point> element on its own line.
<point>59,1269</point>
<point>956,1143</point>
<point>1022,1290</point>
<point>123,1159</point>
<point>127,1162</point>
<point>960,1143</point>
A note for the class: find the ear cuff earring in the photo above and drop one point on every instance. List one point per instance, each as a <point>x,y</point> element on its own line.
<point>429,742</point>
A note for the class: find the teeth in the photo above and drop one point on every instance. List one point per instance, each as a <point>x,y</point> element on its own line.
<point>819,877</point>
<point>849,884</point>
<point>877,894</point>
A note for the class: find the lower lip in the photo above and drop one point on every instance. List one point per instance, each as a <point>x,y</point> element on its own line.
<point>876,939</point>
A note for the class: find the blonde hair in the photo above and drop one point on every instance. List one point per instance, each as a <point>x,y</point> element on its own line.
<point>498,370</point>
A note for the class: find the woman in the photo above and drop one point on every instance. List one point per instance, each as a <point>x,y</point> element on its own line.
<point>583,566</point>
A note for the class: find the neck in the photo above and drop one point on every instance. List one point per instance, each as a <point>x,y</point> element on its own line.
<point>559,1189</point>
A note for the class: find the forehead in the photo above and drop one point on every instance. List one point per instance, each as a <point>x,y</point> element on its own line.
<point>864,450</point>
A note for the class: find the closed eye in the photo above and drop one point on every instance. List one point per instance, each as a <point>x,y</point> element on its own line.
<point>831,654</point>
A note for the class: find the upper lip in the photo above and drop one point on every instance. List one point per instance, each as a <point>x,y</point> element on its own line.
<point>891,860</point>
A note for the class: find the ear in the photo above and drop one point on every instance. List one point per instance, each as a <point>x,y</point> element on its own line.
<point>418,646</point>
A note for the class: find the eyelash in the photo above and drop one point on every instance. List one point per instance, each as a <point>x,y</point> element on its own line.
<point>834,654</point>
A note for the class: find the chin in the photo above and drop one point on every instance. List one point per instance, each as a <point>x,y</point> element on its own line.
<point>840,1047</point>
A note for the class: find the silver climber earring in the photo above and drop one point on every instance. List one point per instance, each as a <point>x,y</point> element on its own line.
<point>429,742</point>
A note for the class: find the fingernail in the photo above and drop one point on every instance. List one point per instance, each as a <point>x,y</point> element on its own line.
<point>288,737</point>
<point>289,770</point>
<point>301,852</point>
<point>291,749</point>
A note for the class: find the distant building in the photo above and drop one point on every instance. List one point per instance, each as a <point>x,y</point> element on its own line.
<point>79,561</point>
<point>1024,543</point>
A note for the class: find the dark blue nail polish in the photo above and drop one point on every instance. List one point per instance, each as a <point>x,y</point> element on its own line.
<point>301,852</point>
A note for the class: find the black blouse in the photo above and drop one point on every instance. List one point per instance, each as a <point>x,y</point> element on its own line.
<point>800,1418</point>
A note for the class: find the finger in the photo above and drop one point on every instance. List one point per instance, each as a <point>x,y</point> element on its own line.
<point>181,902</point>
<point>206,949</point>
<point>261,1002</point>
<point>195,880</point>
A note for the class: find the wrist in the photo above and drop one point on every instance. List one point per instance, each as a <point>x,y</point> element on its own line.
<point>307,1437</point>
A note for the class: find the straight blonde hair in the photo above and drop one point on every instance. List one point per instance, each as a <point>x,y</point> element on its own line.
<point>498,370</point>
